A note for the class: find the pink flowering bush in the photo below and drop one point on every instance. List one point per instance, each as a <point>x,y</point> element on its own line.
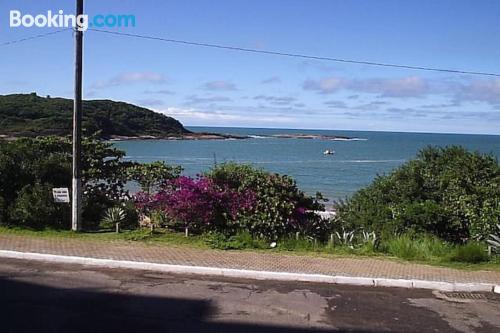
<point>198,204</point>
<point>235,198</point>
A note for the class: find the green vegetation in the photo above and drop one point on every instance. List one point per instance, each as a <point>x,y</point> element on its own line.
<point>244,242</point>
<point>31,167</point>
<point>112,217</point>
<point>442,208</point>
<point>30,115</point>
<point>279,209</point>
<point>472,252</point>
<point>239,241</point>
<point>447,192</point>
<point>150,176</point>
<point>493,240</point>
<point>425,248</point>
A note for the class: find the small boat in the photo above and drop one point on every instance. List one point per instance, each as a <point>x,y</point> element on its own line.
<point>329,152</point>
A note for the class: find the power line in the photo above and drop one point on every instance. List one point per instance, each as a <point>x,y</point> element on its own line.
<point>34,37</point>
<point>295,55</point>
<point>250,50</point>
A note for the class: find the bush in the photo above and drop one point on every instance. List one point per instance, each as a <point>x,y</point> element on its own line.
<point>34,207</point>
<point>448,192</point>
<point>494,240</point>
<point>280,208</point>
<point>3,211</point>
<point>416,247</point>
<point>28,161</point>
<point>112,216</point>
<point>471,253</point>
<point>198,204</point>
<point>131,220</point>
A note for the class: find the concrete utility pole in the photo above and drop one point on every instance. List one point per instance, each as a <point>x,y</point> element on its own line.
<point>76,202</point>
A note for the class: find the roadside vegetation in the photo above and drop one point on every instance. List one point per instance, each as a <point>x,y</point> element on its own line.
<point>442,207</point>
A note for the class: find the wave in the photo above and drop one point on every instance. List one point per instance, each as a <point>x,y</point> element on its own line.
<point>371,161</point>
<point>259,137</point>
<point>349,139</point>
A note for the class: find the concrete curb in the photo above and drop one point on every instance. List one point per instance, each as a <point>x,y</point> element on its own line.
<point>256,275</point>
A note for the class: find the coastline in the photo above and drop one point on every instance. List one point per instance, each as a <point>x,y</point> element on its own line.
<point>223,136</point>
<point>205,136</point>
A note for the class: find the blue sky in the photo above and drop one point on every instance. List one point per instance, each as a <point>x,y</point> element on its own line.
<point>201,86</point>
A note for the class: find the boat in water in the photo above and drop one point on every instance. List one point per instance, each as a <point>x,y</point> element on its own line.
<point>329,152</point>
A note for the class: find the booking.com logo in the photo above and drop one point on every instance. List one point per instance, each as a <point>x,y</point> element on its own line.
<point>61,20</point>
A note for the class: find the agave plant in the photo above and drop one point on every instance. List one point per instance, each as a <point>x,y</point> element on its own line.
<point>346,237</point>
<point>494,240</point>
<point>113,216</point>
<point>369,237</point>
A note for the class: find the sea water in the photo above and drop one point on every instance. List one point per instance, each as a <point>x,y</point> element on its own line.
<point>354,165</point>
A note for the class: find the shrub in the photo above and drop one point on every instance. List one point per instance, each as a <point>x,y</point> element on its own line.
<point>448,192</point>
<point>112,216</point>
<point>345,237</point>
<point>131,220</point>
<point>34,207</point>
<point>471,253</point>
<point>159,218</point>
<point>198,204</point>
<point>494,240</point>
<point>3,211</point>
<point>28,161</point>
<point>280,207</point>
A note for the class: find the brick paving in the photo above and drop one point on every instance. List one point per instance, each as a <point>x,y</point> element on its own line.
<point>261,261</point>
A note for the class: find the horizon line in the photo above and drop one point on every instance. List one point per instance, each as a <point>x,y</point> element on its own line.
<point>349,130</point>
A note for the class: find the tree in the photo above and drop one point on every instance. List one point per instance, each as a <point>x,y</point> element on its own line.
<point>150,176</point>
<point>31,167</point>
<point>449,192</point>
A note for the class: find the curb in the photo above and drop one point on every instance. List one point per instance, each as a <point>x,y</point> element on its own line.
<point>255,275</point>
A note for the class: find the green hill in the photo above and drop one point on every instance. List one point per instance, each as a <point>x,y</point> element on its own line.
<point>32,115</point>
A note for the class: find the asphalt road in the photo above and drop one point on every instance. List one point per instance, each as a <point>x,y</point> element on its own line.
<point>45,297</point>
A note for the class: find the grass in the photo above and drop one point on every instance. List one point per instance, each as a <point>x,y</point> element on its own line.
<point>425,250</point>
<point>141,235</point>
<point>470,253</point>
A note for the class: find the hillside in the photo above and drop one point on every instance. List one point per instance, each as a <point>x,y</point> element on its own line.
<point>32,115</point>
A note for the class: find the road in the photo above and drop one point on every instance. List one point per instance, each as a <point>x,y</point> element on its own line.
<point>46,297</point>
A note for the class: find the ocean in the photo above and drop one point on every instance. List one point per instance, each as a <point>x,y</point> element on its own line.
<point>354,165</point>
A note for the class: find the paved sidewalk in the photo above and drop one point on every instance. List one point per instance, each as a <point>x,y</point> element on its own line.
<point>244,260</point>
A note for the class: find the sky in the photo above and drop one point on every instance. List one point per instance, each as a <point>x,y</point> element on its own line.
<point>214,87</point>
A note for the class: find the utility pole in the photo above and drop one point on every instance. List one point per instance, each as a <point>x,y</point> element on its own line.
<point>76,202</point>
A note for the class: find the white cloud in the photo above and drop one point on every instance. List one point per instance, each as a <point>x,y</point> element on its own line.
<point>129,78</point>
<point>276,100</point>
<point>462,90</point>
<point>272,79</point>
<point>480,90</point>
<point>220,86</point>
<point>221,117</point>
<point>194,99</point>
<point>158,92</point>
<point>326,85</point>
<point>151,102</point>
<point>410,86</point>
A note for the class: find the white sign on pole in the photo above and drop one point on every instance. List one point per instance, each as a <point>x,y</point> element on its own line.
<point>61,195</point>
